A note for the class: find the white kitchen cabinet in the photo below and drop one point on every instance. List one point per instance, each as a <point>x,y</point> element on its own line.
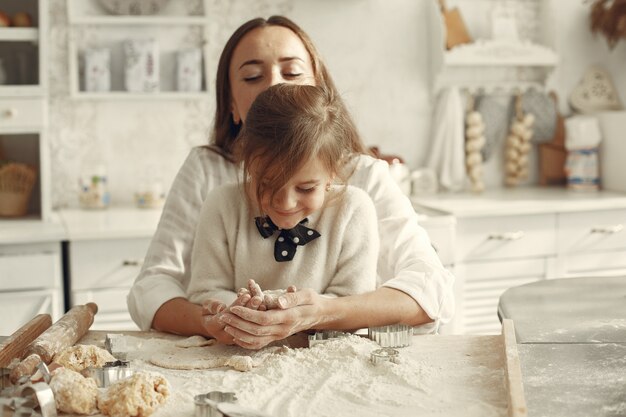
<point>105,251</point>
<point>30,283</point>
<point>592,243</point>
<point>179,25</point>
<point>509,237</point>
<point>23,99</point>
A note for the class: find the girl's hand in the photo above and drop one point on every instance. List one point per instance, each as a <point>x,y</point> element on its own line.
<point>253,329</point>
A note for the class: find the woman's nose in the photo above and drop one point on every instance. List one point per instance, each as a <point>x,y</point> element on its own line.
<point>275,77</point>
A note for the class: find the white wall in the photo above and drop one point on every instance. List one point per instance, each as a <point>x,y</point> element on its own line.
<point>377,51</point>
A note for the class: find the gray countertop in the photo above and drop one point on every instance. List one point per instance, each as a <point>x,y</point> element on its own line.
<point>570,310</point>
<point>571,336</point>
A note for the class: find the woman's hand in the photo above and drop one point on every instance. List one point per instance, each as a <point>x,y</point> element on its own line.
<point>253,329</point>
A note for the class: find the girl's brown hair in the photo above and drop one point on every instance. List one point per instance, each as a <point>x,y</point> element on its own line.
<point>289,125</point>
<point>225,130</point>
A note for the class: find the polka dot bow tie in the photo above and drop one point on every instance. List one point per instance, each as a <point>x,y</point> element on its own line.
<point>288,239</point>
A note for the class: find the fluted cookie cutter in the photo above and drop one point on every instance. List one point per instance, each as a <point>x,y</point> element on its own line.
<point>206,404</point>
<point>379,356</point>
<point>394,336</point>
<point>325,336</point>
<point>111,372</point>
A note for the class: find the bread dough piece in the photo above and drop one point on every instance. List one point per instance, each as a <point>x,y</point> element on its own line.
<point>195,341</point>
<point>80,357</point>
<point>73,393</point>
<point>138,395</point>
<point>215,356</point>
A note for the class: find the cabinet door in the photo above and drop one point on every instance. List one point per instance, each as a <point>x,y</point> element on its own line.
<point>29,270</point>
<point>506,237</point>
<point>112,310</point>
<point>17,308</point>
<point>106,263</point>
<point>597,231</point>
<point>480,285</point>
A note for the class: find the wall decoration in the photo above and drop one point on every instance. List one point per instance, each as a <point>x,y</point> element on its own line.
<point>518,146</point>
<point>608,17</point>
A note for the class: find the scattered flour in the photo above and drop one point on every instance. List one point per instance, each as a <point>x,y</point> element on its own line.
<point>437,376</point>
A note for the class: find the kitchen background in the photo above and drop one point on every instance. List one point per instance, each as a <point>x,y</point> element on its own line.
<point>389,62</point>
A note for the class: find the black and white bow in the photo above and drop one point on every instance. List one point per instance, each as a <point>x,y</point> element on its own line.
<point>288,239</point>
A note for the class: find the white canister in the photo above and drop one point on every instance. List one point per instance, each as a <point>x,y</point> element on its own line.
<point>141,63</point>
<point>98,69</point>
<point>189,70</point>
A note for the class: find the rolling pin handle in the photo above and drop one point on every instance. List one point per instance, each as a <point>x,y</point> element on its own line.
<point>93,307</point>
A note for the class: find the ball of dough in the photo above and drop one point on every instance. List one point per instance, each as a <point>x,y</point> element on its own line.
<point>81,357</point>
<point>73,393</point>
<point>138,395</point>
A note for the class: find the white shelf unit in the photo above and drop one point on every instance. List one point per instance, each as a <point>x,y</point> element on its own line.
<point>23,100</point>
<point>488,65</point>
<point>174,28</point>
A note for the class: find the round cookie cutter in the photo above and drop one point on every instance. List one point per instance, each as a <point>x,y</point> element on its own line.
<point>379,356</point>
<point>394,336</point>
<point>206,404</point>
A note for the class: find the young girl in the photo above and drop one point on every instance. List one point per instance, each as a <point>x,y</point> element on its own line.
<point>290,223</point>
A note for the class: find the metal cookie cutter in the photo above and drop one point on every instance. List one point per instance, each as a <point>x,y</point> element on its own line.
<point>325,336</point>
<point>111,372</point>
<point>379,356</point>
<point>206,404</point>
<point>395,336</point>
<point>24,399</point>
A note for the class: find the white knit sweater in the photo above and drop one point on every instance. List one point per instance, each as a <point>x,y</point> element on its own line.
<point>229,250</point>
<point>406,260</point>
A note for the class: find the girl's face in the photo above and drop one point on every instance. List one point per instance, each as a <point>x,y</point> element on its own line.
<point>264,57</point>
<point>303,194</point>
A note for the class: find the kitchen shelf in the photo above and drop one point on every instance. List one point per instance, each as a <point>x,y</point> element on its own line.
<point>498,53</point>
<point>178,26</point>
<point>19,34</point>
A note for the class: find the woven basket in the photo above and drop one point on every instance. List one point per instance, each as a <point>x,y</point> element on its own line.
<point>16,185</point>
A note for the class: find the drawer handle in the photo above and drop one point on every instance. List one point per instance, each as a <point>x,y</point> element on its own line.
<point>132,262</point>
<point>10,113</point>
<point>608,230</point>
<point>508,236</point>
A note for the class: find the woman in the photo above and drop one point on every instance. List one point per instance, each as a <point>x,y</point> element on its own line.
<point>415,289</point>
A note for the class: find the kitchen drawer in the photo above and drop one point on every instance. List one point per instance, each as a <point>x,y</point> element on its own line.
<point>595,264</point>
<point>106,263</point>
<point>592,231</point>
<point>21,112</point>
<point>112,309</point>
<point>17,308</point>
<point>505,237</point>
<point>23,267</point>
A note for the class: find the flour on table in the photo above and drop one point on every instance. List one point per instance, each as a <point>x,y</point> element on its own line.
<point>138,395</point>
<point>81,357</point>
<point>73,393</point>
<point>439,376</point>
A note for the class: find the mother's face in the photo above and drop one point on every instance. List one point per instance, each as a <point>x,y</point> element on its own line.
<point>264,57</point>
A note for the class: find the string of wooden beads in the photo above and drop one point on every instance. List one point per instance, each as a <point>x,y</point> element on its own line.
<point>474,143</point>
<point>518,145</point>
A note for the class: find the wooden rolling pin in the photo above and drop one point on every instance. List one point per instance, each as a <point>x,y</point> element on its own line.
<point>16,344</point>
<point>64,333</point>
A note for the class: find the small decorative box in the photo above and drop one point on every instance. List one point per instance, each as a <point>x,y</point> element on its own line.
<point>189,70</point>
<point>98,69</point>
<point>141,65</point>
